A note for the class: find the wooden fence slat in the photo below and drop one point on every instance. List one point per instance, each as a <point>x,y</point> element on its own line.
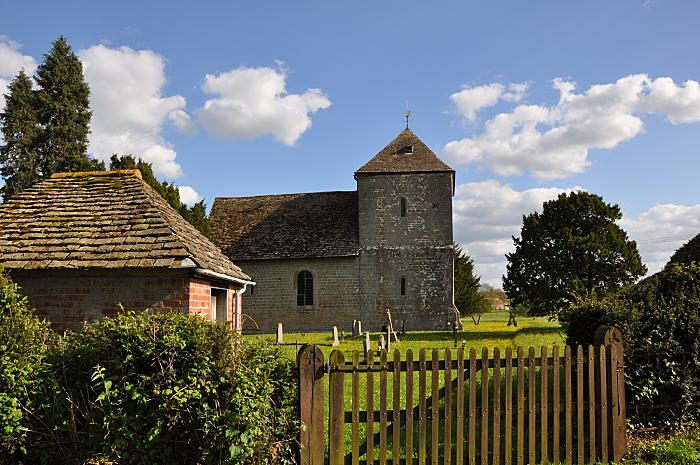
<point>337,410</point>
<point>521,408</point>
<point>508,431</point>
<point>531,407</point>
<point>484,406</point>
<point>460,408</point>
<point>544,385</point>
<point>409,406</point>
<point>311,405</point>
<point>613,428</point>
<point>603,404</point>
<point>556,399</point>
<point>355,410</point>
<point>496,406</point>
<point>567,392</point>
<point>448,408</point>
<point>580,434</point>
<point>472,407</point>
<point>396,404</point>
<point>370,410</point>
<point>382,410</point>
<point>435,408</point>
<point>591,406</point>
<point>422,408</point>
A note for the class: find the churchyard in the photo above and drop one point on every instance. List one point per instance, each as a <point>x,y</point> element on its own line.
<point>491,332</point>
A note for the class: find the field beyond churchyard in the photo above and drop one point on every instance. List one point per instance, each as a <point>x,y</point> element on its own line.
<point>491,332</point>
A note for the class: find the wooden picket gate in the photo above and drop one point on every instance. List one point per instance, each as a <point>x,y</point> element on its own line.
<point>460,409</point>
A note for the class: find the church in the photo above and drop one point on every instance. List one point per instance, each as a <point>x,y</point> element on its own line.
<point>324,259</point>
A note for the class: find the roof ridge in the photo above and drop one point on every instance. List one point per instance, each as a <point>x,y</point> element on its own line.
<point>72,174</point>
<point>280,195</point>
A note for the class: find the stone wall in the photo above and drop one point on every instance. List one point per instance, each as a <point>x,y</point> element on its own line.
<point>416,247</point>
<point>274,299</point>
<point>67,298</point>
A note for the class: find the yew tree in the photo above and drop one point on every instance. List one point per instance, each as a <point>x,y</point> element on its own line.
<point>468,298</point>
<point>574,248</point>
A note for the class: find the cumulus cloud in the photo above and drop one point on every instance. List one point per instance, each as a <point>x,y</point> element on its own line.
<point>129,110</point>
<point>553,142</point>
<point>188,195</point>
<point>472,99</point>
<point>661,230</point>
<point>251,102</point>
<point>487,214</point>
<point>11,61</point>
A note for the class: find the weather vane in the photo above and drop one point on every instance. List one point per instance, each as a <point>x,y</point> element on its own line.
<point>407,114</point>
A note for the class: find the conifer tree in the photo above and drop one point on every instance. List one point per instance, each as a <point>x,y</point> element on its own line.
<point>19,163</point>
<point>468,298</point>
<point>63,107</point>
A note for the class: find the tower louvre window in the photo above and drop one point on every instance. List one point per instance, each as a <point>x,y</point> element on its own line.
<point>403,206</point>
<point>407,149</point>
<point>305,289</point>
<point>403,285</point>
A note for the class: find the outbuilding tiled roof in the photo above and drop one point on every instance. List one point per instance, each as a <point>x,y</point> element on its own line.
<point>102,220</point>
<point>321,224</point>
<point>405,154</point>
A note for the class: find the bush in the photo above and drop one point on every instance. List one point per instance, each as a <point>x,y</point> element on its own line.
<point>660,322</point>
<point>23,343</point>
<point>164,388</point>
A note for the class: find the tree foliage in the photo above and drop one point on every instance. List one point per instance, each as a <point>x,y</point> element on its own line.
<point>688,253</point>
<point>659,318</point>
<point>195,215</point>
<point>467,295</point>
<point>46,130</point>
<point>573,248</point>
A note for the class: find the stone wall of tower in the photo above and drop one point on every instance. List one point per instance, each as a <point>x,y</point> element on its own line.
<point>416,247</point>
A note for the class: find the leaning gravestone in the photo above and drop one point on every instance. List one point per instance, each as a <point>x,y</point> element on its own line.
<point>280,334</point>
<point>336,341</point>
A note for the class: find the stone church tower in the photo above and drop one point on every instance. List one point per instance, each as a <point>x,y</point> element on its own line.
<point>324,259</point>
<point>405,235</point>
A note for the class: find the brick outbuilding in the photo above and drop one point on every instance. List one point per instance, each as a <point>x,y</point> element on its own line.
<point>84,245</point>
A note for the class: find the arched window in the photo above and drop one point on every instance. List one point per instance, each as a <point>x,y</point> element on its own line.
<point>403,285</point>
<point>403,206</point>
<point>305,289</point>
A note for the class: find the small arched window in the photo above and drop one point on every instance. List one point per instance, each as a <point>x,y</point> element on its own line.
<point>305,289</point>
<point>403,206</point>
<point>403,285</point>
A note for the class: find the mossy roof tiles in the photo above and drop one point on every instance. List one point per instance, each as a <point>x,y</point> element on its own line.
<point>106,219</point>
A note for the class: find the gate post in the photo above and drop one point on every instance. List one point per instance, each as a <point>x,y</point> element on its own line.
<point>311,397</point>
<point>611,338</point>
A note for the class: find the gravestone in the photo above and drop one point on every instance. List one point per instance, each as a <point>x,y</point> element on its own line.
<point>336,341</point>
<point>382,343</point>
<point>280,334</point>
<point>388,338</point>
<point>368,344</point>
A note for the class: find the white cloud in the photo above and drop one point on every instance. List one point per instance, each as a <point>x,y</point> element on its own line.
<point>554,141</point>
<point>11,61</point>
<point>129,109</point>
<point>487,214</point>
<point>188,195</point>
<point>183,122</point>
<point>472,99</point>
<point>661,230</point>
<point>251,102</point>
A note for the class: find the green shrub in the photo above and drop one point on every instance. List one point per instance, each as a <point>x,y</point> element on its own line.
<point>660,322</point>
<point>165,388</point>
<point>23,343</point>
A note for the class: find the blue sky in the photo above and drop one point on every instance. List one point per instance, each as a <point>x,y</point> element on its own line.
<point>243,98</point>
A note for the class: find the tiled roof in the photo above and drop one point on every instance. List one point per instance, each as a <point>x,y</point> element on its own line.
<point>321,224</point>
<point>98,220</point>
<point>395,157</point>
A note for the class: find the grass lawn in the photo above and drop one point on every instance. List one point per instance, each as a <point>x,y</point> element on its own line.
<point>491,332</point>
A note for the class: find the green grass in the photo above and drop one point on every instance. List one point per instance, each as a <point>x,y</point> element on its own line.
<point>491,332</point>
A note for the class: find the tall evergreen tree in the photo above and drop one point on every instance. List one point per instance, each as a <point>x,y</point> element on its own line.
<point>63,107</point>
<point>196,215</point>
<point>468,298</point>
<point>19,163</point>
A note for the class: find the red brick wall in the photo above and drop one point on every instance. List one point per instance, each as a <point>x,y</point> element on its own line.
<point>200,301</point>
